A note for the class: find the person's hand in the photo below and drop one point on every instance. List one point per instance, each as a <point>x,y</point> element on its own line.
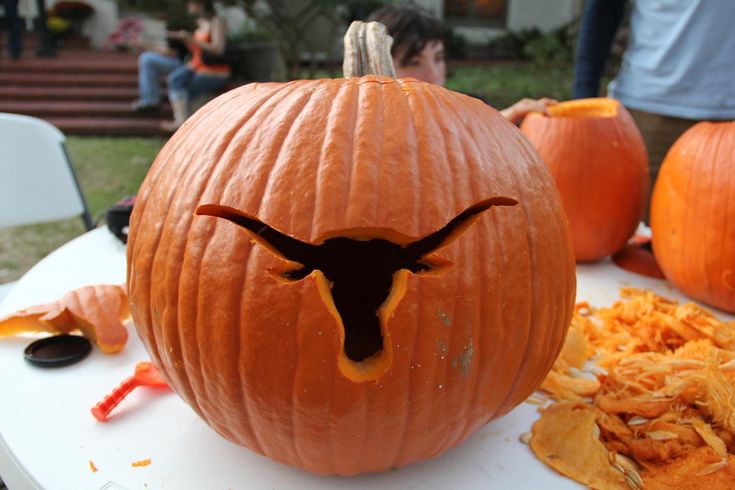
<point>520,109</point>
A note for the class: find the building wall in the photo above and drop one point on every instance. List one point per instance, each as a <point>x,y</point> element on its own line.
<point>102,22</point>
<point>546,15</point>
<point>436,6</point>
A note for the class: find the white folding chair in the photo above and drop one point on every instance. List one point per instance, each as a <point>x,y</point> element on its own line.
<point>37,181</point>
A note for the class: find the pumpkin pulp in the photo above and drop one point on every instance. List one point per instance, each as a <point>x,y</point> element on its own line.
<point>585,108</point>
<point>361,279</point>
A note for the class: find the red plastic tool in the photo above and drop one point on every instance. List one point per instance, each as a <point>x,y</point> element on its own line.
<point>146,374</point>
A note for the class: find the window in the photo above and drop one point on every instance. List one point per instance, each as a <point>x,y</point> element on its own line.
<point>475,12</point>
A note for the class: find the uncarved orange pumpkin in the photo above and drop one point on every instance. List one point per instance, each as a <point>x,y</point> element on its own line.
<point>350,275</point>
<point>693,214</point>
<point>599,162</point>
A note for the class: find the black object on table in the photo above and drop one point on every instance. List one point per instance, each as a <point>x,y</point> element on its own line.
<point>57,351</point>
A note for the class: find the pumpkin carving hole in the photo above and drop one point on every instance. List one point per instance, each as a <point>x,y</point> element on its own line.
<point>360,271</point>
<point>598,107</point>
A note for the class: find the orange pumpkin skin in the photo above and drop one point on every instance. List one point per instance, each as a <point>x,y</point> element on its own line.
<point>693,214</point>
<point>260,359</point>
<point>599,162</point>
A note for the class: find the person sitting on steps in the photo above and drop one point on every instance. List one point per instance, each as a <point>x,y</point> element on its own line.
<point>207,70</point>
<point>153,63</point>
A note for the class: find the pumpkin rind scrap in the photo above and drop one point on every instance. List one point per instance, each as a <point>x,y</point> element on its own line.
<point>97,311</point>
<point>599,162</point>
<point>693,214</point>
<point>260,358</point>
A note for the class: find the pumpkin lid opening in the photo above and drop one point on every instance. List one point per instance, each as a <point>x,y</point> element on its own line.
<point>361,280</point>
<point>598,107</point>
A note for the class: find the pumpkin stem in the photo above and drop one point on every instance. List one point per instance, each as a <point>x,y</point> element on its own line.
<point>367,50</point>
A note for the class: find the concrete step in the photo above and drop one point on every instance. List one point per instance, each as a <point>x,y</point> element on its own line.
<point>108,126</point>
<point>25,93</point>
<point>77,53</point>
<point>81,91</point>
<point>76,65</point>
<point>68,80</point>
<point>84,108</point>
<point>30,42</point>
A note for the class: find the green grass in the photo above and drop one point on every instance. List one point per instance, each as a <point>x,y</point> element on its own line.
<point>505,83</point>
<point>108,169</point>
<point>112,168</point>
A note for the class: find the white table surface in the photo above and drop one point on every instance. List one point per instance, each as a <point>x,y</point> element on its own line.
<point>48,436</point>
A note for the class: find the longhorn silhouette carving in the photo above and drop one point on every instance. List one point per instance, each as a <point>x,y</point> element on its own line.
<point>360,271</point>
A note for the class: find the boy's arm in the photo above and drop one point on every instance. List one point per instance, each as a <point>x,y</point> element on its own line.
<point>597,28</point>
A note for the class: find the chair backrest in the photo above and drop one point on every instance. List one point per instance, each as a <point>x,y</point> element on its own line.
<point>37,181</point>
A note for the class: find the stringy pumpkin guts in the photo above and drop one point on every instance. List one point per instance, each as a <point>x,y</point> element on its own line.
<point>658,380</point>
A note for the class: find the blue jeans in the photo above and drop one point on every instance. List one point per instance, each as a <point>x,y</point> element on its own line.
<point>151,67</point>
<point>185,84</point>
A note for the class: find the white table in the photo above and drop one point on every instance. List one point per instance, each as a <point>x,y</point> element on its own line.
<point>48,436</point>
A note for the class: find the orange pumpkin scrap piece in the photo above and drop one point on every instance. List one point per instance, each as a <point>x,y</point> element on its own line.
<point>700,469</point>
<point>716,394</point>
<point>651,323</point>
<point>566,438</point>
<point>565,387</point>
<point>634,257</point>
<point>92,466</point>
<point>98,311</point>
<point>142,462</point>
<point>706,432</point>
<point>576,350</point>
<point>560,383</point>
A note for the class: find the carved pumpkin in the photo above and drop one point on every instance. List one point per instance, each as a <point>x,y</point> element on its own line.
<point>693,214</point>
<point>350,275</point>
<point>599,162</point>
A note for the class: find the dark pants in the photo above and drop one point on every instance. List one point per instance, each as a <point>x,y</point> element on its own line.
<point>15,31</point>
<point>659,133</point>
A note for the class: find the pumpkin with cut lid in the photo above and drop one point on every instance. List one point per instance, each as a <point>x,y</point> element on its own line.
<point>350,275</point>
<point>599,161</point>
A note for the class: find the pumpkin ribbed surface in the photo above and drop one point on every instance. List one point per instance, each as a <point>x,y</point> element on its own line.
<point>693,214</point>
<point>599,161</point>
<point>260,358</point>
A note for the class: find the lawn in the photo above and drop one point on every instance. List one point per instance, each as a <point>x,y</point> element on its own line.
<point>505,83</point>
<point>108,169</point>
<point>112,168</point>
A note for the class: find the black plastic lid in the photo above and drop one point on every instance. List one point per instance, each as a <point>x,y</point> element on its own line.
<point>57,351</point>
